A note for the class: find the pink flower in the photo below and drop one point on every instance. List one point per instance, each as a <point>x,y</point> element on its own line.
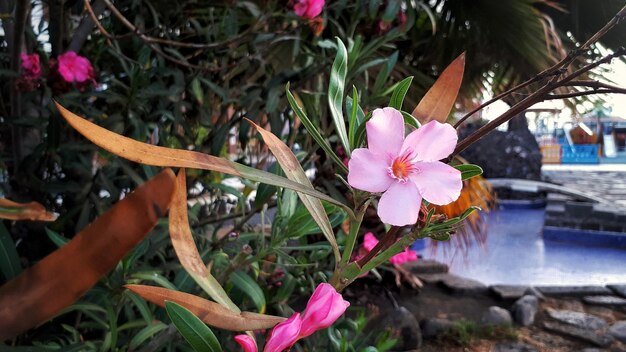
<point>31,68</point>
<point>370,241</point>
<point>308,8</point>
<point>75,68</point>
<point>284,334</point>
<point>246,342</point>
<point>324,307</point>
<point>405,169</point>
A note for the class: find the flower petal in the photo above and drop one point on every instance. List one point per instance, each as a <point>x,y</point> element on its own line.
<point>325,306</point>
<point>246,342</point>
<point>368,172</point>
<point>369,241</point>
<point>432,142</point>
<point>284,334</point>
<point>437,182</point>
<point>400,204</point>
<point>385,133</point>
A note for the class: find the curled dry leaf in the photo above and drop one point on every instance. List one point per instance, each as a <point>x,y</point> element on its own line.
<point>440,98</point>
<point>186,249</point>
<point>11,210</point>
<point>61,278</point>
<point>160,156</point>
<point>209,312</point>
<point>292,168</point>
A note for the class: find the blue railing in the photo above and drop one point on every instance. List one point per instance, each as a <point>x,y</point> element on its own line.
<point>579,154</point>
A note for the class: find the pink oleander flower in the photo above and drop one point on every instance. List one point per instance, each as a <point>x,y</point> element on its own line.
<point>325,306</point>
<point>31,68</point>
<point>308,8</point>
<point>405,169</point>
<point>75,68</point>
<point>246,342</point>
<point>370,241</point>
<point>284,334</point>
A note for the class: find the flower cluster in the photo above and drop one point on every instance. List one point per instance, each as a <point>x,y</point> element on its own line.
<point>308,8</point>
<point>405,169</point>
<point>66,70</point>
<point>324,307</point>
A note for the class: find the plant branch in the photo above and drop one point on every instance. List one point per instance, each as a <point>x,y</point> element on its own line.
<point>86,25</point>
<point>584,93</point>
<point>385,242</point>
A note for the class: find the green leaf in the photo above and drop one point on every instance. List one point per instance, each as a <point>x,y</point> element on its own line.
<point>250,288</point>
<point>397,97</point>
<point>469,170</point>
<point>313,131</point>
<point>301,223</point>
<point>58,240</point>
<point>9,259</point>
<point>197,334</point>
<point>144,334</point>
<point>335,92</point>
<point>383,75</point>
<point>141,305</point>
<point>410,120</point>
<point>357,116</point>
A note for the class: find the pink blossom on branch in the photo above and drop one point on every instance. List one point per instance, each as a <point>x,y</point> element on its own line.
<point>405,169</point>
<point>75,68</point>
<point>308,8</point>
<point>284,334</point>
<point>325,306</point>
<point>408,255</point>
<point>31,67</point>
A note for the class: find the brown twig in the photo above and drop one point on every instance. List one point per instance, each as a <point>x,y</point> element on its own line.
<point>385,242</point>
<point>584,93</point>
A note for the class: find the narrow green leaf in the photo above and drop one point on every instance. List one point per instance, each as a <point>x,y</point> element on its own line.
<point>357,116</point>
<point>154,277</point>
<point>58,240</point>
<point>250,288</point>
<point>144,334</point>
<point>335,92</point>
<point>9,259</point>
<point>397,97</point>
<point>469,170</point>
<point>197,334</point>
<point>313,131</point>
<point>141,305</point>
<point>383,75</point>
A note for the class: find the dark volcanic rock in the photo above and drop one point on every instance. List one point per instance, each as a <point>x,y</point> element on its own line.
<point>512,154</point>
<point>433,327</point>
<point>525,309</point>
<point>513,347</point>
<point>605,300</point>
<point>497,316</point>
<point>402,325</point>
<point>509,291</point>
<point>618,330</point>
<point>579,333</point>
<point>580,320</point>
<point>573,290</point>
<point>619,289</point>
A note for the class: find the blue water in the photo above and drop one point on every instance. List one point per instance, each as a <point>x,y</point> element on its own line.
<point>516,254</point>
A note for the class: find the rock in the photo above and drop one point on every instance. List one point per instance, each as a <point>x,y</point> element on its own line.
<point>619,289</point>
<point>461,285</point>
<point>497,316</point>
<point>513,347</point>
<point>401,324</point>
<point>427,266</point>
<point>618,330</point>
<point>525,309</point>
<point>605,300</point>
<point>433,327</point>
<point>573,290</point>
<point>579,333</point>
<point>509,291</point>
<point>581,320</point>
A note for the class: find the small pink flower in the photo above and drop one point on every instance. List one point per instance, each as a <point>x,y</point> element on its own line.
<point>246,342</point>
<point>31,68</point>
<point>75,68</point>
<point>405,169</point>
<point>284,334</point>
<point>325,306</point>
<point>308,8</point>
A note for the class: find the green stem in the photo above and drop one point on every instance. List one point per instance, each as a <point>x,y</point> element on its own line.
<point>355,225</point>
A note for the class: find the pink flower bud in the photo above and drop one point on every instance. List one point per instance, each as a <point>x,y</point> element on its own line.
<point>31,68</point>
<point>284,334</point>
<point>246,342</point>
<point>308,8</point>
<point>75,68</point>
<point>325,306</point>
